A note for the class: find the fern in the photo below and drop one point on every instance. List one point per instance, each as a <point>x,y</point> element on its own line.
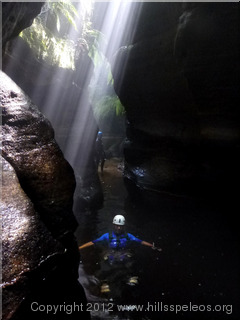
<point>47,46</point>
<point>120,110</point>
<point>46,41</point>
<point>110,80</point>
<point>65,8</point>
<point>108,105</point>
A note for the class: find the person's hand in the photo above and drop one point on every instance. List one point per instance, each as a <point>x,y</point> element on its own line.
<point>156,248</point>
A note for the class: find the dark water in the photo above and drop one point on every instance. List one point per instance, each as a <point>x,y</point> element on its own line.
<point>197,270</point>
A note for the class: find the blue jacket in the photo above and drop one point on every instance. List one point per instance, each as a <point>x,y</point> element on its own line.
<point>117,241</point>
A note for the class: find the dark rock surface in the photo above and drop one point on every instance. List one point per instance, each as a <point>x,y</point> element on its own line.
<point>27,243</point>
<point>61,95</point>
<point>29,145</point>
<point>65,103</point>
<point>16,17</point>
<point>39,246</point>
<point>179,83</point>
<point>40,253</point>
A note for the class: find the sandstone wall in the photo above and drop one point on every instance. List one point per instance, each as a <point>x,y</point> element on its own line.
<point>179,83</point>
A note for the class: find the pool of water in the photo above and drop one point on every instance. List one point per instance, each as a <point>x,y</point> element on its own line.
<point>198,265</point>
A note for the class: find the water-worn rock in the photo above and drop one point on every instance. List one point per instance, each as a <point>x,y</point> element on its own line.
<point>162,114</point>
<point>179,83</point>
<point>40,257</point>
<point>26,242</point>
<point>40,254</point>
<point>29,145</point>
<point>61,95</point>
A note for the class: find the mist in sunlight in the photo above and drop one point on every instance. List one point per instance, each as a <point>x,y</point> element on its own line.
<point>63,93</point>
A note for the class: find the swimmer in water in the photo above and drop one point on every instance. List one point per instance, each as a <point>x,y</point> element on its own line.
<point>118,238</point>
<point>118,242</point>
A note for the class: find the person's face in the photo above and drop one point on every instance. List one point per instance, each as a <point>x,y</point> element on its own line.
<point>118,229</point>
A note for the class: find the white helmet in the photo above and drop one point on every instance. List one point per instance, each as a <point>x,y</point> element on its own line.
<point>119,220</point>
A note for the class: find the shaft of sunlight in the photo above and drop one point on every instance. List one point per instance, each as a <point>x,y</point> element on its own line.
<point>63,100</point>
<point>117,20</point>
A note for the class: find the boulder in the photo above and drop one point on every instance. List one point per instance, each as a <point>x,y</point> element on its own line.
<point>26,242</point>
<point>40,252</point>
<point>29,146</point>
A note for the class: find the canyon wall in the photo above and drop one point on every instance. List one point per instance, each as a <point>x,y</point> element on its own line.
<point>179,82</point>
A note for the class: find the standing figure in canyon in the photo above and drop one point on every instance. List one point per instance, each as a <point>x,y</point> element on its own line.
<point>100,156</point>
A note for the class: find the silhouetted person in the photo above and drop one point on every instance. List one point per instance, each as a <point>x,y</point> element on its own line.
<point>99,151</point>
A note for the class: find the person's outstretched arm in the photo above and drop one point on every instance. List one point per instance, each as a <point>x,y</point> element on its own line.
<point>85,245</point>
<point>104,237</point>
<point>148,244</point>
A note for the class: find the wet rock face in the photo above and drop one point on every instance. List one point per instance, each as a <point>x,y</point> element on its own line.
<point>29,145</point>
<point>22,225</point>
<point>40,253</point>
<point>178,81</point>
<point>26,241</point>
<point>61,95</point>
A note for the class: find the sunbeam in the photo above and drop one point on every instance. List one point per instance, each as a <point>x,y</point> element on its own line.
<point>120,130</point>
<point>63,70</point>
<point>114,26</point>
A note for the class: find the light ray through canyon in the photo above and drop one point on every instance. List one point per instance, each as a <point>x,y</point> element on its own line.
<point>75,129</point>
